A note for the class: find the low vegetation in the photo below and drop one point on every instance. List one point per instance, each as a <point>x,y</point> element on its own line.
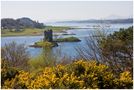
<point>80,74</point>
<point>68,39</point>
<point>44,44</point>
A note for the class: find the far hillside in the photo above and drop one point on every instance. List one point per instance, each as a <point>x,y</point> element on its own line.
<point>21,23</point>
<point>26,27</point>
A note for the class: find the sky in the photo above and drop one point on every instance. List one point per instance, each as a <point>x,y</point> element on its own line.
<point>46,11</point>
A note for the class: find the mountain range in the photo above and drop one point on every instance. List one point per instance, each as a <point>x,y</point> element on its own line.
<point>111,21</point>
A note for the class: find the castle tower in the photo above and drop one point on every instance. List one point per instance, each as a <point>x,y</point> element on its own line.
<point>48,35</point>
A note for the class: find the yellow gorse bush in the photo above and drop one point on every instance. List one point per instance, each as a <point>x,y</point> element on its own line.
<point>79,74</point>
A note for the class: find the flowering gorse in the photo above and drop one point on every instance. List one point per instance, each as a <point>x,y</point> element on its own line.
<point>79,74</point>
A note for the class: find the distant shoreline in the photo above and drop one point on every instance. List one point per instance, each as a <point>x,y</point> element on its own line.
<point>33,31</point>
<point>111,21</point>
<point>56,29</point>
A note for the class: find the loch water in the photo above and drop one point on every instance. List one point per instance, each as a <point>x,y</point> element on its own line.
<point>66,48</point>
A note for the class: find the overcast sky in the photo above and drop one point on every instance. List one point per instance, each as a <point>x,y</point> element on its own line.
<point>45,11</point>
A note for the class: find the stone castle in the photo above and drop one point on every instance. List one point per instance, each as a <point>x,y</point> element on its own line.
<point>48,35</point>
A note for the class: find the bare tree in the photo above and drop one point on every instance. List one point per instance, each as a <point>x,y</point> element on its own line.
<point>92,50</point>
<point>15,55</point>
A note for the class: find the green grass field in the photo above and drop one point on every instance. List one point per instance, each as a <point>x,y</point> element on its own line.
<point>32,31</point>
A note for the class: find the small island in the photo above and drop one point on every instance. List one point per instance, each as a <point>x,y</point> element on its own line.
<point>68,39</point>
<point>49,42</point>
<point>45,44</point>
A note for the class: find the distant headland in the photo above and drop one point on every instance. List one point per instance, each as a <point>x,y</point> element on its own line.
<point>111,21</point>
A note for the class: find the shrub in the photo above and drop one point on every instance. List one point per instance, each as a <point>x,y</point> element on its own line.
<point>114,50</point>
<point>79,74</point>
<point>117,49</point>
<point>47,58</point>
<point>40,62</point>
<point>16,55</point>
<point>7,73</point>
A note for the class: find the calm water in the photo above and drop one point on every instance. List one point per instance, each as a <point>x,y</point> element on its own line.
<point>67,48</point>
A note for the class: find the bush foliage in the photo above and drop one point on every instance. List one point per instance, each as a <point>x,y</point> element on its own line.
<point>114,50</point>
<point>117,50</point>
<point>79,74</point>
